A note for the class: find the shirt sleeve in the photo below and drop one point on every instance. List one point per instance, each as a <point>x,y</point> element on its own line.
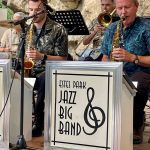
<point>61,43</point>
<point>107,42</point>
<point>147,39</point>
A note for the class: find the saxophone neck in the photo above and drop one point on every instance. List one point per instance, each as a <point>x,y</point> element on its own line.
<point>116,39</point>
<point>30,36</point>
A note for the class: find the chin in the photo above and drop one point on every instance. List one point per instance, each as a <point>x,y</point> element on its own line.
<point>36,20</point>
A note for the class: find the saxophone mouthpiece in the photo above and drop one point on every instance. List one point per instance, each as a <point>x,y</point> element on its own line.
<point>123,18</point>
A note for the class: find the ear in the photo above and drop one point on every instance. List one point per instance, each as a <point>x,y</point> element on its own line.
<point>137,4</point>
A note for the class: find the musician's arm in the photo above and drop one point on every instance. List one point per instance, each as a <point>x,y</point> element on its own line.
<point>87,39</point>
<point>144,61</point>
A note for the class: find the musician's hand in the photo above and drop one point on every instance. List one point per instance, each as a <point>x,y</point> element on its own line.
<point>120,54</point>
<point>88,38</point>
<point>98,28</point>
<point>34,54</point>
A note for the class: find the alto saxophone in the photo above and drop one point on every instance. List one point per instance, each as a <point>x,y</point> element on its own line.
<point>29,63</point>
<point>116,40</point>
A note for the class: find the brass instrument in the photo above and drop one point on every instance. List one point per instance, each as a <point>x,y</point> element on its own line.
<point>116,43</point>
<point>29,63</point>
<point>105,19</point>
<point>116,40</point>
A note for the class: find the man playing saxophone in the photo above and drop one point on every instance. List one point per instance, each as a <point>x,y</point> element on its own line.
<point>133,49</point>
<point>93,40</point>
<point>49,42</point>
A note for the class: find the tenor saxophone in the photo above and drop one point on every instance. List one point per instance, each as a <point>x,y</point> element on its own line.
<point>116,40</point>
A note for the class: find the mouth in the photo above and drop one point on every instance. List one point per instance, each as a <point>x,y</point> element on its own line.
<point>123,18</point>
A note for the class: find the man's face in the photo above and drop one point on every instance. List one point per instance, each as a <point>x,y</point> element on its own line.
<point>36,7</point>
<point>17,18</point>
<point>127,9</point>
<point>107,5</point>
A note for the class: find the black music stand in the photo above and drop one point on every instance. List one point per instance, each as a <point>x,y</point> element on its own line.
<point>72,20</point>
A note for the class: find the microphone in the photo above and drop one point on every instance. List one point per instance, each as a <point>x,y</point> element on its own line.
<point>27,18</point>
<point>49,9</point>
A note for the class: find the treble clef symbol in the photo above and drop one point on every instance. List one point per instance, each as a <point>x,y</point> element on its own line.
<point>89,113</point>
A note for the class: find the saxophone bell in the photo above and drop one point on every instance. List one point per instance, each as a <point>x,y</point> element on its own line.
<point>28,64</point>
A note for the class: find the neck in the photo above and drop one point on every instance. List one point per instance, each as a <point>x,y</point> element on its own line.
<point>126,24</point>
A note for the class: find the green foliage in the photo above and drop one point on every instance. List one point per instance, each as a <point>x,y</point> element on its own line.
<point>9,11</point>
<point>1,4</point>
<point>9,14</point>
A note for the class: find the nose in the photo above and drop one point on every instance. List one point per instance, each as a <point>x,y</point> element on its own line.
<point>103,8</point>
<point>123,13</point>
<point>34,12</point>
<point>123,10</point>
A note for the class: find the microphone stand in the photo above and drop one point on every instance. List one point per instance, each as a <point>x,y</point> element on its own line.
<point>21,143</point>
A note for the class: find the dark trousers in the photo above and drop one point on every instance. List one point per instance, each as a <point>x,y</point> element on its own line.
<point>39,105</point>
<point>141,98</point>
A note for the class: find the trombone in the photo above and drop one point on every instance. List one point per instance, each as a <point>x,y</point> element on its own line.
<point>105,19</point>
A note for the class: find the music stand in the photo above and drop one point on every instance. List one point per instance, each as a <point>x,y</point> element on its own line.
<point>72,20</point>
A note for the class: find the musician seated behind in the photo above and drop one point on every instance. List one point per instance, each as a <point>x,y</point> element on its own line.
<point>10,38</point>
<point>133,49</point>
<point>96,33</point>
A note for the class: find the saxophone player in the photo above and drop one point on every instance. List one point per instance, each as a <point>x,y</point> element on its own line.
<point>49,42</point>
<point>134,51</point>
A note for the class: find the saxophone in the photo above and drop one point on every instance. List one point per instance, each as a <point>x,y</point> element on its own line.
<point>29,63</point>
<point>116,39</point>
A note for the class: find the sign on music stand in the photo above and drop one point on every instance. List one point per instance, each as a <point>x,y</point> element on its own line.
<point>72,20</point>
<point>86,106</point>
